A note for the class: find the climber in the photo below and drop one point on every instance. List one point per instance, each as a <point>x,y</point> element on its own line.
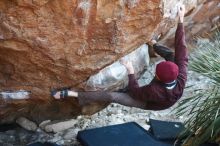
<point>162,92</point>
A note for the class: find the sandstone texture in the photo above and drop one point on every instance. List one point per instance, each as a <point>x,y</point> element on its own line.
<point>51,43</point>
<point>46,44</point>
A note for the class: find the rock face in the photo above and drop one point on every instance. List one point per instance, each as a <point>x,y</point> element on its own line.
<point>47,44</point>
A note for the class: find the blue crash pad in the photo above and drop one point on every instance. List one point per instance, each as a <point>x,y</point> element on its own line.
<point>127,134</point>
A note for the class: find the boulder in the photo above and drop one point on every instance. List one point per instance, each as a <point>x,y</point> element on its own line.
<point>53,44</point>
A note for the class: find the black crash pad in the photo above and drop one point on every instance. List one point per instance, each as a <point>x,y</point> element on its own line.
<point>209,144</point>
<point>168,131</point>
<point>6,127</point>
<point>163,130</point>
<point>127,134</point>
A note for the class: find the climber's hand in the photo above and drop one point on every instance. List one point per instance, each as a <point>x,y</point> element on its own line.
<point>181,12</point>
<point>128,65</point>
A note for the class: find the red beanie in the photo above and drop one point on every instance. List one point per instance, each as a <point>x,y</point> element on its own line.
<point>167,71</point>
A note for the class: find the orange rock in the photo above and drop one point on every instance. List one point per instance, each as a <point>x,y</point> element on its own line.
<point>50,44</point>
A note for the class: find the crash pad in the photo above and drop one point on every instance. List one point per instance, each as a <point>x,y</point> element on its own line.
<point>127,134</point>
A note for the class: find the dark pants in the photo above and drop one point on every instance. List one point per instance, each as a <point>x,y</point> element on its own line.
<point>111,97</point>
<point>123,98</point>
<point>164,52</point>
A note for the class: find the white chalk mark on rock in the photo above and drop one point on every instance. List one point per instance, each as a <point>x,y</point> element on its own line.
<point>21,94</point>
